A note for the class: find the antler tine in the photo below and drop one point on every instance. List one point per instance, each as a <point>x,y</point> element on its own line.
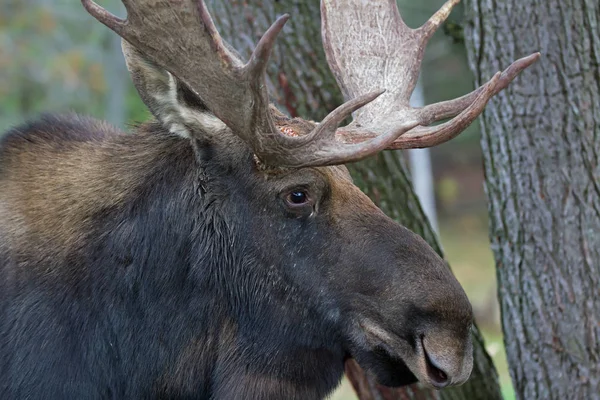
<point>259,60</point>
<point>112,21</point>
<point>451,108</point>
<point>433,23</point>
<point>327,129</point>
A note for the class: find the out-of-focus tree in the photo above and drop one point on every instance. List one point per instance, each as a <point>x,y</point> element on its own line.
<point>541,146</point>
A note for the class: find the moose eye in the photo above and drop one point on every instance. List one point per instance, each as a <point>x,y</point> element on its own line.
<point>298,199</point>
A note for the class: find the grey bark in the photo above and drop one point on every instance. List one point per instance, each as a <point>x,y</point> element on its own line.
<point>541,144</point>
<point>302,85</point>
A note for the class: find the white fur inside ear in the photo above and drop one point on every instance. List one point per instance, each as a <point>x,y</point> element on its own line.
<point>179,119</point>
<point>207,121</point>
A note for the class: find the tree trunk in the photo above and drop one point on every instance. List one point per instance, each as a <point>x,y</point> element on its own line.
<point>301,84</point>
<point>541,144</point>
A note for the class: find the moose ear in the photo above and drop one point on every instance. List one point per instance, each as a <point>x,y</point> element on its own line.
<point>170,101</point>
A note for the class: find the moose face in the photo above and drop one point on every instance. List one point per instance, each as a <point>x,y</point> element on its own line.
<point>331,261</point>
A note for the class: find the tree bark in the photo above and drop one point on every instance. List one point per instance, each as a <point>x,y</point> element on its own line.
<point>302,85</point>
<point>541,148</point>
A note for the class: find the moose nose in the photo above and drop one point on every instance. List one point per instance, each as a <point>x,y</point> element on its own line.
<point>446,363</point>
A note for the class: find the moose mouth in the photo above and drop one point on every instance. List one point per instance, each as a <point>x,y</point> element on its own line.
<point>388,369</point>
<point>396,361</point>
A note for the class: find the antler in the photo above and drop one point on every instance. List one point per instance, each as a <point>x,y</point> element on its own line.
<point>180,36</point>
<point>368,45</point>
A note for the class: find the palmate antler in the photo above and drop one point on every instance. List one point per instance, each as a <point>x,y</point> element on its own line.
<point>369,49</point>
<point>368,45</point>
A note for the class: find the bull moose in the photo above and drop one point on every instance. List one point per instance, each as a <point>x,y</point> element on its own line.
<point>221,251</point>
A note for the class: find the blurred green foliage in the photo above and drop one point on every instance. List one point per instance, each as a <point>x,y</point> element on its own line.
<point>53,59</point>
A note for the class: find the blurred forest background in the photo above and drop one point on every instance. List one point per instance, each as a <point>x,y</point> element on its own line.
<point>55,58</point>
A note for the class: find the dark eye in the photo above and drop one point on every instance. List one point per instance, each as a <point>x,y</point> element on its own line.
<point>297,198</point>
<point>299,202</point>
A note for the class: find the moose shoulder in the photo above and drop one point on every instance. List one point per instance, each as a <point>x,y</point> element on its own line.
<point>221,251</point>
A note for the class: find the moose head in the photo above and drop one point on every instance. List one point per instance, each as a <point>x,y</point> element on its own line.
<point>261,265</point>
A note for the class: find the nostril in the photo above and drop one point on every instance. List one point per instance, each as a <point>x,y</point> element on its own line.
<point>436,374</point>
<point>439,378</point>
